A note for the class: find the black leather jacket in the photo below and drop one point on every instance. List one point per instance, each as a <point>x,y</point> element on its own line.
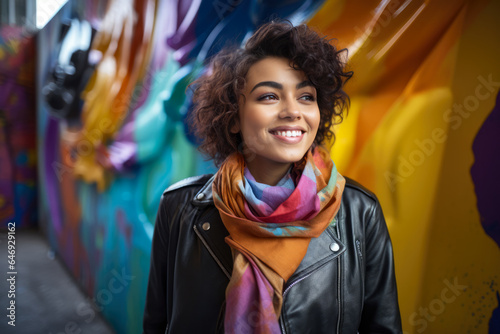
<point>344,284</point>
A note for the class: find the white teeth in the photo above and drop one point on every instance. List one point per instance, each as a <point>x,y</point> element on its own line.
<point>289,133</point>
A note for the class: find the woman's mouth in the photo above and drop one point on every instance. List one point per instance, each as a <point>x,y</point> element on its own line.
<point>288,136</point>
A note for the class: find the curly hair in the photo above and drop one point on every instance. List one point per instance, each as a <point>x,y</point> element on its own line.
<point>216,93</point>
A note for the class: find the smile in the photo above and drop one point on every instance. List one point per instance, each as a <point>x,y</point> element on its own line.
<point>293,133</point>
<point>288,136</point>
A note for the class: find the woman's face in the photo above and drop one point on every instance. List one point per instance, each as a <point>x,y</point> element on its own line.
<point>278,116</point>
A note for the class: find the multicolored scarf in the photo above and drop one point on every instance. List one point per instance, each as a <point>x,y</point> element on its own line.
<point>270,229</point>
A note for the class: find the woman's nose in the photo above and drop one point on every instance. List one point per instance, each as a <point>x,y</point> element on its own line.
<point>291,109</point>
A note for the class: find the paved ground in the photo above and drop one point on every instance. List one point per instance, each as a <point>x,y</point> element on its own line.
<point>47,299</point>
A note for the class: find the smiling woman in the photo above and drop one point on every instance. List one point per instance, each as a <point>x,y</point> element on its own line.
<point>277,241</point>
<point>278,118</point>
<point>217,96</point>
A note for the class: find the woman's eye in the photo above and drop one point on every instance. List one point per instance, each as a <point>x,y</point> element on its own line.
<point>267,97</point>
<point>308,98</point>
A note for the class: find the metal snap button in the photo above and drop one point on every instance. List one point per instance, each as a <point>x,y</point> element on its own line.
<point>200,196</point>
<point>334,247</point>
<point>206,226</point>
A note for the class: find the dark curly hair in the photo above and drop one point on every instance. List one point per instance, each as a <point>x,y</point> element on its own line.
<point>216,93</point>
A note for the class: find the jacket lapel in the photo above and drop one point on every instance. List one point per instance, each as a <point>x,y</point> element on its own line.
<point>211,230</point>
<point>322,249</point>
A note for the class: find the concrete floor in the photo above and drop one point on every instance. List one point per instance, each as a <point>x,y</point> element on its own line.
<point>47,298</point>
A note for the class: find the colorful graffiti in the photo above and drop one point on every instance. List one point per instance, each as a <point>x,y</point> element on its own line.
<point>415,112</point>
<point>18,176</point>
<point>421,133</point>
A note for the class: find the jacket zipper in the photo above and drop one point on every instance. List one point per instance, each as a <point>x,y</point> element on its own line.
<point>361,268</point>
<point>339,268</point>
<point>282,326</point>
<point>211,252</point>
<point>295,282</point>
<point>358,246</point>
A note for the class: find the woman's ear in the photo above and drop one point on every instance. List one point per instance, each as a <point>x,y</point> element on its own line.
<point>235,128</point>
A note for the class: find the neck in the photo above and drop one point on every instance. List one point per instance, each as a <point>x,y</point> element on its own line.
<point>268,173</point>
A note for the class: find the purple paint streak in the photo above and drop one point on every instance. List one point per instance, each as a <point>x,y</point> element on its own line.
<point>484,172</point>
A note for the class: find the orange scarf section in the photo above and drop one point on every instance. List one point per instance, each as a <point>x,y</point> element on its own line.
<point>282,254</point>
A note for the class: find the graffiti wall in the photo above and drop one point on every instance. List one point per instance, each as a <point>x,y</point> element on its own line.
<point>18,173</point>
<point>423,106</point>
<point>422,133</point>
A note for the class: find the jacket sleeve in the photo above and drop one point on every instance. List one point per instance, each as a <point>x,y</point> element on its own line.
<point>381,309</point>
<point>155,313</point>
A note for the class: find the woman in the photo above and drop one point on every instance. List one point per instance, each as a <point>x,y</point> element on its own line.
<point>277,241</point>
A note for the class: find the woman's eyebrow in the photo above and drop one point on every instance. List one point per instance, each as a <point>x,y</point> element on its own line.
<point>304,84</point>
<point>277,85</point>
<point>271,84</point>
